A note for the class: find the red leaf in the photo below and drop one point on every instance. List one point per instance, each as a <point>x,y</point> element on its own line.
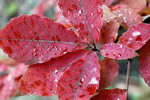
<point>45,76</point>
<point>117,51</point>
<point>109,31</point>
<point>136,36</point>
<point>75,75</point>
<point>34,39</point>
<point>109,71</point>
<point>8,88</point>
<point>80,81</point>
<point>9,82</point>
<point>128,17</point>
<point>137,5</point>
<point>144,60</point>
<point>112,94</point>
<point>85,16</point>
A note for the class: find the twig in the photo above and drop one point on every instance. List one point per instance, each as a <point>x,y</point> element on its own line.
<point>128,76</point>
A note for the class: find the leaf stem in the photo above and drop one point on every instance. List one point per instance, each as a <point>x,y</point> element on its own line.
<point>128,77</point>
<point>95,48</point>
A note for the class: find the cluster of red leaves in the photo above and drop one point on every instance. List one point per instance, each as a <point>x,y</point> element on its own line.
<point>63,60</point>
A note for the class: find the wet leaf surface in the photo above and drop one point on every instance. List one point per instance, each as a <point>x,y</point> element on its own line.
<point>136,36</point>
<point>117,51</point>
<point>87,19</point>
<point>34,39</point>
<point>75,75</point>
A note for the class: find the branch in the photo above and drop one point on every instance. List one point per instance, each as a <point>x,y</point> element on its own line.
<point>128,76</point>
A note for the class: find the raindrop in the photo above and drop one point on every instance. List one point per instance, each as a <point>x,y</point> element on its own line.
<point>64,52</point>
<point>56,71</point>
<point>130,39</point>
<point>136,33</point>
<point>118,98</point>
<point>120,15</point>
<point>92,25</point>
<point>93,81</point>
<point>121,46</point>
<point>79,12</point>
<point>125,19</point>
<point>34,49</point>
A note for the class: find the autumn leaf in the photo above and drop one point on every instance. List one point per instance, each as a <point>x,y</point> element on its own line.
<point>109,71</point>
<point>144,62</point>
<point>34,39</point>
<point>136,36</point>
<point>87,19</point>
<point>117,51</point>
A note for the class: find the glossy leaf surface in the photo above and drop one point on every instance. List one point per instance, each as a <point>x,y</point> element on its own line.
<point>69,76</point>
<point>117,51</point>
<point>81,80</point>
<point>45,76</point>
<point>137,5</point>
<point>127,16</point>
<point>136,36</point>
<point>144,60</point>
<point>85,16</point>
<point>109,71</point>
<point>34,39</point>
<point>112,94</point>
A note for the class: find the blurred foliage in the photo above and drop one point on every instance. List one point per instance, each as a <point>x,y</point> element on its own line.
<point>31,97</point>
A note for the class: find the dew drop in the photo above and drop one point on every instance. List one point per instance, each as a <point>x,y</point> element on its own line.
<point>92,25</point>
<point>93,81</point>
<point>118,98</point>
<point>121,46</point>
<point>56,71</point>
<point>136,33</point>
<point>130,39</point>
<point>79,12</point>
<point>125,19</point>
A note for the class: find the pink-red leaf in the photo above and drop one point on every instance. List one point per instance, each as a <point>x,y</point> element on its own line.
<point>74,75</point>
<point>80,81</point>
<point>109,31</point>
<point>85,16</point>
<point>112,94</point>
<point>9,82</point>
<point>137,5</point>
<point>34,39</point>
<point>127,16</point>
<point>136,36</point>
<point>117,51</point>
<point>109,71</point>
<point>45,76</point>
<point>144,60</point>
